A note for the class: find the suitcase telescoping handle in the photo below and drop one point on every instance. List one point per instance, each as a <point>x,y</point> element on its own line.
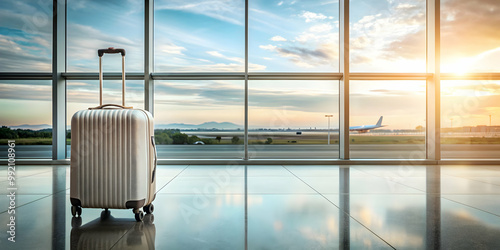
<point>111,50</point>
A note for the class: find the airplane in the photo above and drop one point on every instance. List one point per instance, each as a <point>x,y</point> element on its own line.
<point>367,128</point>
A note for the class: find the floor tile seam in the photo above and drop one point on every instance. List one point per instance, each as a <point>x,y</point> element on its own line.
<point>475,208</point>
<point>363,225</point>
<point>245,195</point>
<point>350,216</point>
<point>26,203</point>
<point>157,191</point>
<point>123,236</point>
<point>31,175</point>
<point>476,180</point>
<point>307,184</point>
<point>191,194</point>
<point>341,210</point>
<point>241,193</point>
<point>33,193</point>
<point>395,181</point>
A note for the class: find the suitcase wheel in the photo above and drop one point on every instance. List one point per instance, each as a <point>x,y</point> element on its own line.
<point>105,214</point>
<point>76,211</point>
<point>149,208</point>
<point>139,215</point>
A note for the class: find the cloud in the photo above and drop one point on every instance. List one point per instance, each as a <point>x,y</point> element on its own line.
<point>278,39</point>
<point>469,28</point>
<point>225,10</point>
<point>26,92</point>
<point>214,67</point>
<point>410,46</point>
<point>15,57</point>
<point>324,27</point>
<point>219,55</point>
<point>311,16</point>
<point>486,87</point>
<point>171,49</point>
<point>303,56</point>
<point>393,38</point>
<point>210,93</point>
<point>83,41</point>
<point>231,93</point>
<point>317,46</point>
<point>226,64</point>
<point>268,47</point>
<point>25,37</point>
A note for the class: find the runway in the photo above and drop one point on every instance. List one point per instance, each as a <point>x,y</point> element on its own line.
<point>358,151</point>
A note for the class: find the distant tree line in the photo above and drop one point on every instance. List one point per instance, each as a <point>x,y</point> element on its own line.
<point>162,136</point>
<point>8,133</point>
<point>174,136</point>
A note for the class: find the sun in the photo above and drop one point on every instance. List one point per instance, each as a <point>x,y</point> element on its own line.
<point>460,67</point>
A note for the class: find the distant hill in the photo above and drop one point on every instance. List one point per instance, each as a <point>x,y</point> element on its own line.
<point>32,127</point>
<point>205,125</point>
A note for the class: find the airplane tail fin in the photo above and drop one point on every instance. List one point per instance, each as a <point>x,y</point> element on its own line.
<point>379,123</point>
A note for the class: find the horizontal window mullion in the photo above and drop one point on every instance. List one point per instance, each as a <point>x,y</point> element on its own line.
<point>389,76</point>
<point>25,76</point>
<point>106,76</point>
<point>470,76</point>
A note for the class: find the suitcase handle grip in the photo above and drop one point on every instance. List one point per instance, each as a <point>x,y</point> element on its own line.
<point>156,158</point>
<point>110,50</point>
<point>111,105</point>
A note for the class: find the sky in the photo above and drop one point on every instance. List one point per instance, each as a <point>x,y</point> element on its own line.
<point>284,36</point>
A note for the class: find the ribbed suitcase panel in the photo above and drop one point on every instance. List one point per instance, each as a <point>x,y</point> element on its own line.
<point>110,157</point>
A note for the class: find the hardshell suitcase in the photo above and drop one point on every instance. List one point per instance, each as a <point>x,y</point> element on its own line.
<point>113,155</point>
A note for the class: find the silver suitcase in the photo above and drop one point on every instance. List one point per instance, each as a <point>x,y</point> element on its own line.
<point>113,155</point>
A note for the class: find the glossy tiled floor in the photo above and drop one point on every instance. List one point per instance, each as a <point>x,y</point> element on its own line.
<point>269,207</point>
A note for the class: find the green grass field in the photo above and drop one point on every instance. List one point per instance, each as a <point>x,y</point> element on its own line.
<point>29,141</point>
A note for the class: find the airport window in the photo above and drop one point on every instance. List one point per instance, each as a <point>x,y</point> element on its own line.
<point>26,117</point>
<point>387,36</point>
<point>293,73</point>
<point>199,36</point>
<point>83,94</point>
<point>469,36</point>
<point>113,24</point>
<point>289,119</point>
<point>387,119</point>
<point>25,36</point>
<point>199,119</point>
<point>293,36</point>
<point>470,119</point>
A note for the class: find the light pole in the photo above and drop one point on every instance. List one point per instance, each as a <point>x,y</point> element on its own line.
<point>329,116</point>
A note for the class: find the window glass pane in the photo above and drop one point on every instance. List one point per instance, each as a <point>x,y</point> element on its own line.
<point>25,36</point>
<point>287,119</point>
<point>293,36</point>
<point>397,106</point>
<point>199,119</point>
<point>199,36</point>
<point>94,25</point>
<point>470,41</point>
<point>26,114</point>
<point>387,36</point>
<point>84,94</point>
<point>470,119</point>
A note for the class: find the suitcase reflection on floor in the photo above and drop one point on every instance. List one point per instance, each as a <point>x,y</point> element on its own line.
<point>107,231</point>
